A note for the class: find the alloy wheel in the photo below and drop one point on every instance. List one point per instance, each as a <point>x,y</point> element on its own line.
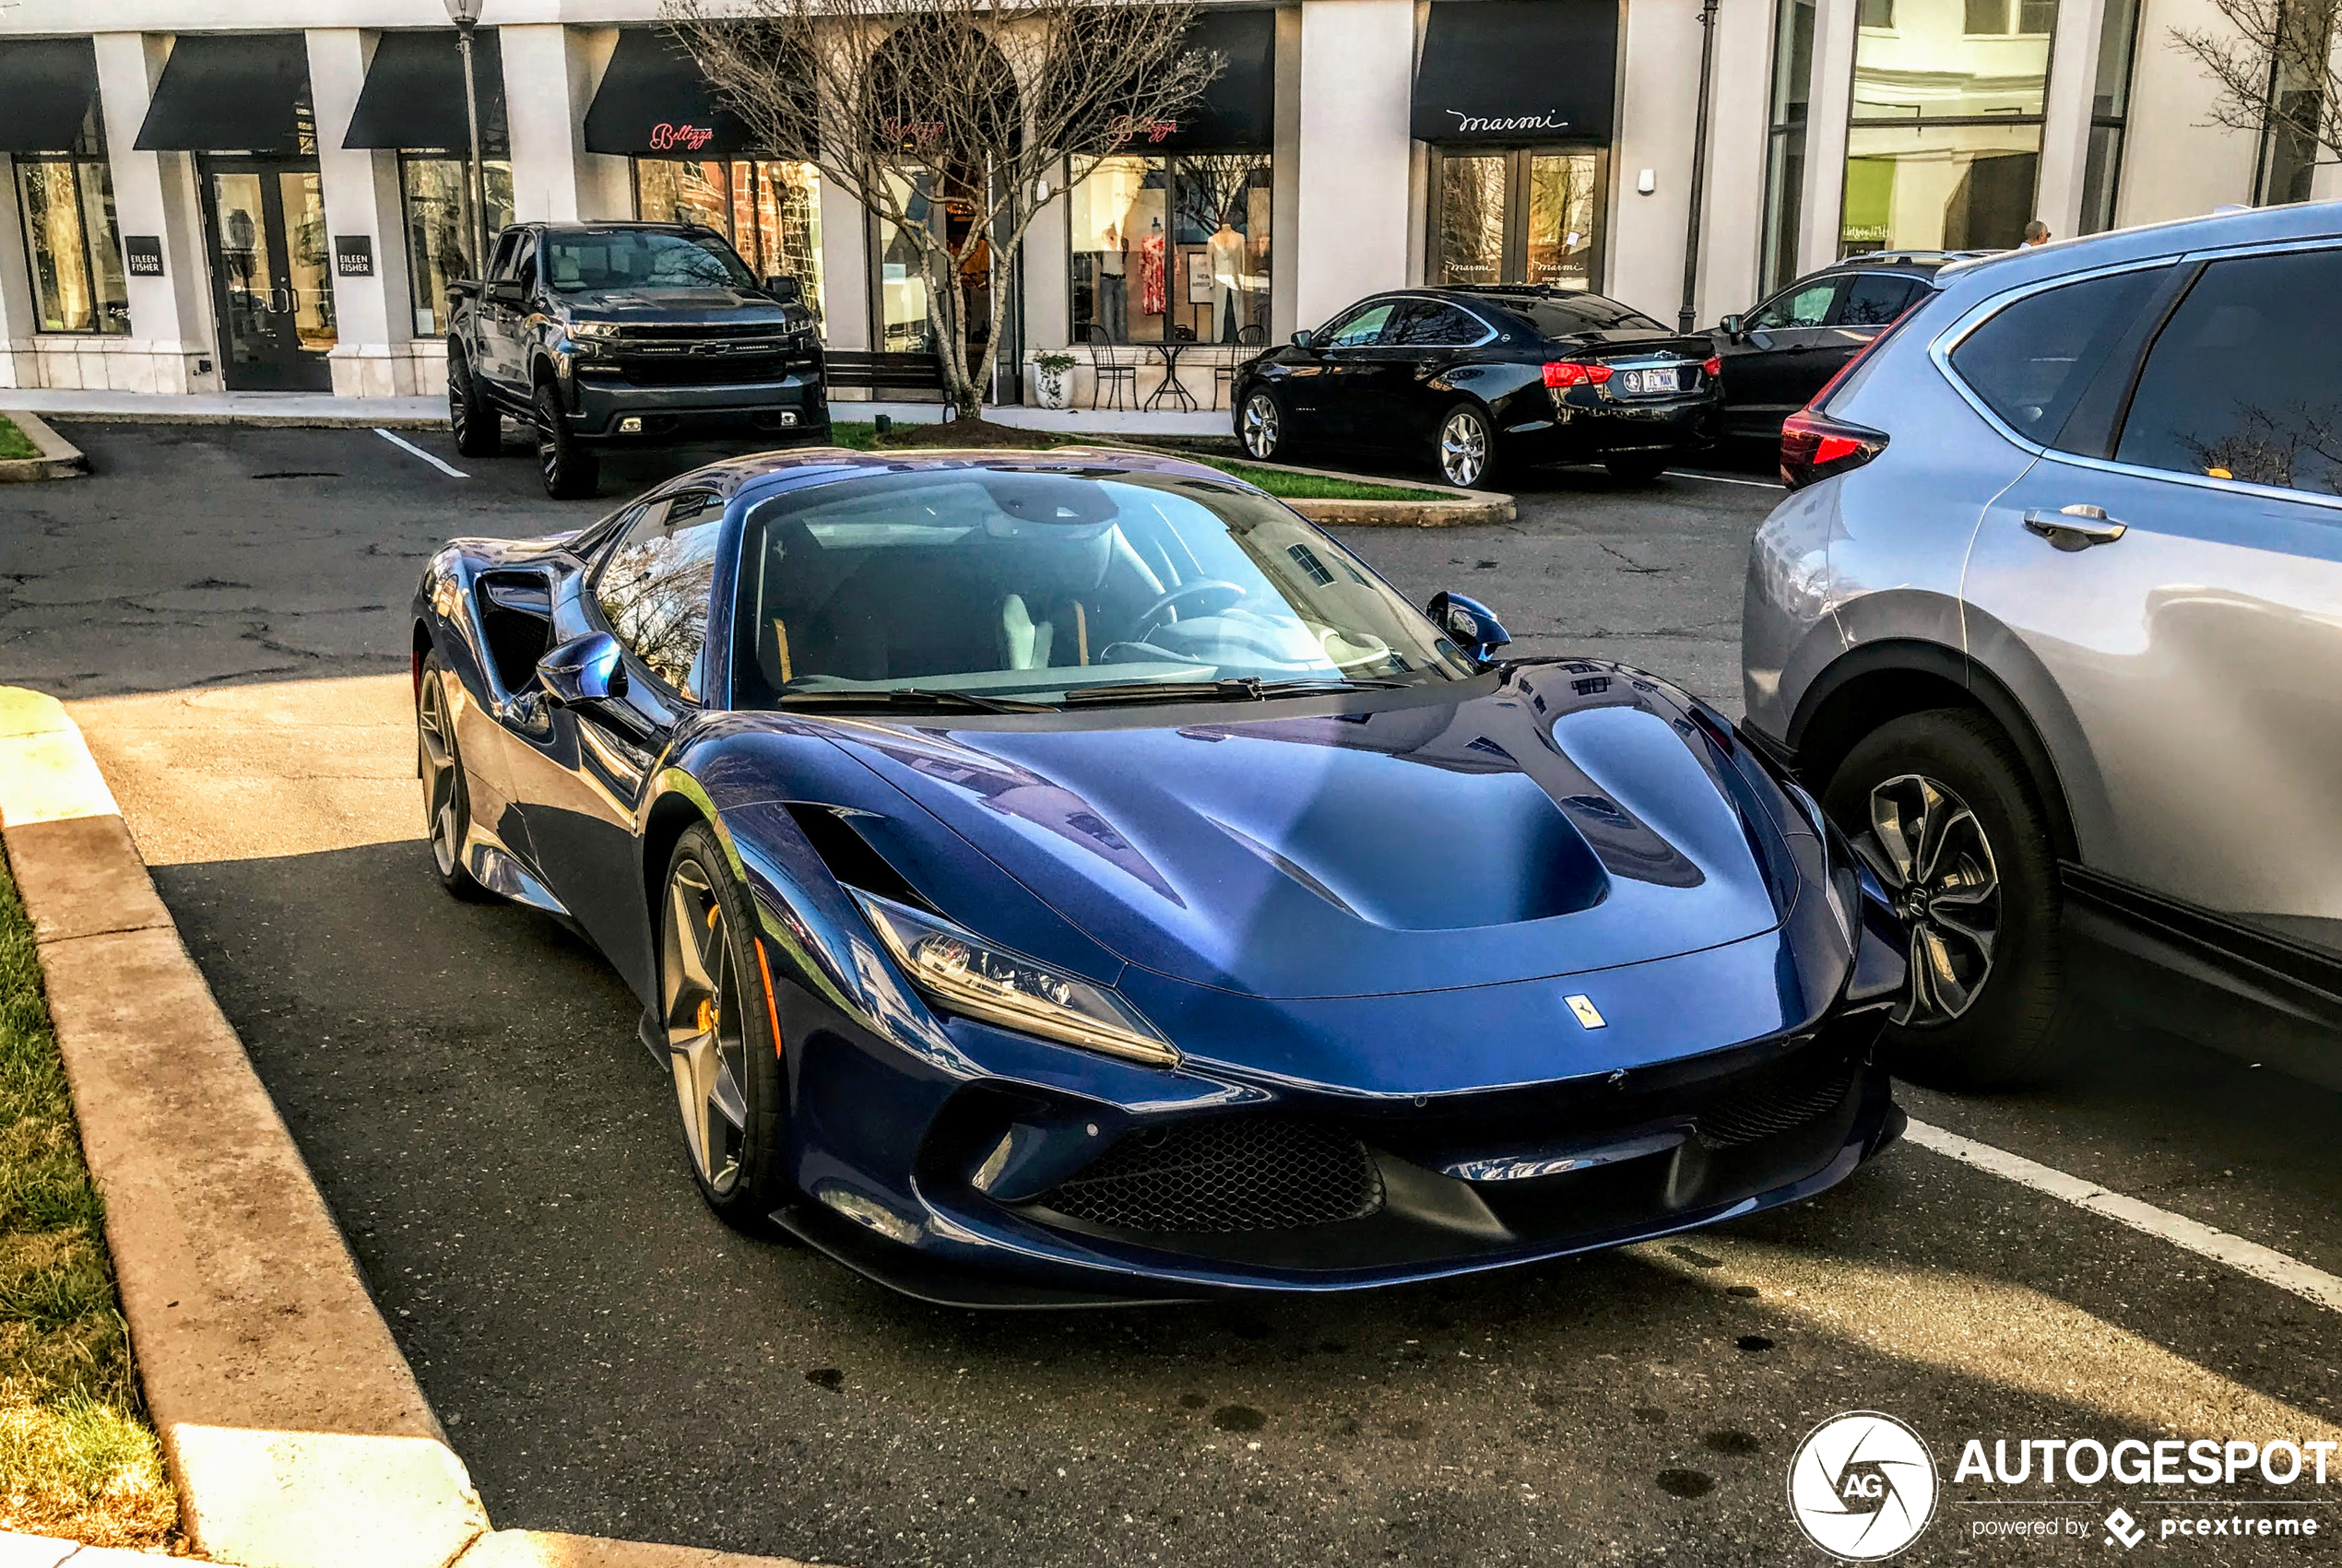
<point>549,458</point>
<point>1463,449</point>
<point>703,998</point>
<point>1260,425</point>
<point>1929,849</point>
<point>442,773</point>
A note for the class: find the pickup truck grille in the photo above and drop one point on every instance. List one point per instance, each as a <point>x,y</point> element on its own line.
<point>699,369</point>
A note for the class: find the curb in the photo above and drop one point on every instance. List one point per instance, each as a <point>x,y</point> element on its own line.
<point>255,419</point>
<point>294,1430</point>
<point>1469,508</point>
<point>59,459</point>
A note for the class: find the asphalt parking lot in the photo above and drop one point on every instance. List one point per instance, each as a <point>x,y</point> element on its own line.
<point>224,608</point>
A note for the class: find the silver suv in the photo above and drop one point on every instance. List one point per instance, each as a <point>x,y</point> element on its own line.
<point>2052,622</point>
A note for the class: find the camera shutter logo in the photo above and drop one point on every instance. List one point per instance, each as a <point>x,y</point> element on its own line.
<point>1863,1486</point>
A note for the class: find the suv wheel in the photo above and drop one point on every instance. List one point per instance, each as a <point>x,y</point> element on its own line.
<point>1939,805</point>
<point>479,428</point>
<point>571,469</point>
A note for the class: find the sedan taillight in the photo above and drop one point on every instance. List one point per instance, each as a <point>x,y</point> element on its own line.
<point>1713,365</point>
<point>1570,372</point>
<point>1814,446</point>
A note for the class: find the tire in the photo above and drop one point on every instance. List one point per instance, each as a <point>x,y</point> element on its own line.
<point>571,469</point>
<point>1979,1015</point>
<point>447,797</point>
<point>1464,450</point>
<point>1637,467</point>
<point>1263,427</point>
<point>480,430</point>
<point>719,1027</point>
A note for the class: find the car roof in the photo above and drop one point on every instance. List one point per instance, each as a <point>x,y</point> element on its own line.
<point>757,473</point>
<point>1976,279</point>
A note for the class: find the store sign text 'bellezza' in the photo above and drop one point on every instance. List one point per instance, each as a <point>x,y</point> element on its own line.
<point>1483,124</point>
<point>665,137</point>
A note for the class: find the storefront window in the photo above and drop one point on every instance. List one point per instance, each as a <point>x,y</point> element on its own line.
<point>439,226</point>
<point>770,211</point>
<point>1785,146</point>
<point>1171,247</point>
<point>1945,149</point>
<point>904,326</point>
<point>2109,114</point>
<point>1521,217</point>
<point>65,201</point>
<point>2288,142</point>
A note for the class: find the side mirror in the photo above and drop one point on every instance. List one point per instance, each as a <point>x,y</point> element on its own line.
<point>787,291</point>
<point>584,670</point>
<point>504,291</point>
<point>1731,326</point>
<point>1304,340</point>
<point>1468,623</point>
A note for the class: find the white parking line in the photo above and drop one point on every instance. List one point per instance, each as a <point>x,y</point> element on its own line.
<point>2245,1258</point>
<point>1723,479</point>
<point>447,468</point>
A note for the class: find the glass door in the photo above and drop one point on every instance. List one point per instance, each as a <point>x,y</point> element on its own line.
<point>1521,215</point>
<point>272,273</point>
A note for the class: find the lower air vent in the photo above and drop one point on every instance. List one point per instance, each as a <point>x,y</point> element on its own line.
<point>1774,1104</point>
<point>1224,1174</point>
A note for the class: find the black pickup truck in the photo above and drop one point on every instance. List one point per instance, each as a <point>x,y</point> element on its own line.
<point>601,332</point>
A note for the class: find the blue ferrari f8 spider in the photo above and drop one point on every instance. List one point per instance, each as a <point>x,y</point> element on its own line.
<point>1071,877</point>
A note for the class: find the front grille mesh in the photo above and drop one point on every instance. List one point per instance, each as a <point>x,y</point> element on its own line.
<point>1774,1105</point>
<point>1224,1174</point>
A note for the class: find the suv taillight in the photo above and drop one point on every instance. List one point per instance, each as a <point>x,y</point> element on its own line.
<point>1570,372</point>
<point>1814,446</point>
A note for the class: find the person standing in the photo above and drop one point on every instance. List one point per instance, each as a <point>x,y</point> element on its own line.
<point>2037,233</point>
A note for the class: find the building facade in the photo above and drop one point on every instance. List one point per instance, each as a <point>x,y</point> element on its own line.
<point>209,194</point>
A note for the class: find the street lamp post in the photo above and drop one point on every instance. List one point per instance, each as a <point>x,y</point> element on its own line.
<point>465,13</point>
<point>1686,316</point>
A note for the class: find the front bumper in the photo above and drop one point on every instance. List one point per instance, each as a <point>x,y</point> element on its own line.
<point>797,405</point>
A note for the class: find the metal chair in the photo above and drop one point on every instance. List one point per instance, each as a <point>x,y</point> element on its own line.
<point>1226,375</point>
<point>1117,370</point>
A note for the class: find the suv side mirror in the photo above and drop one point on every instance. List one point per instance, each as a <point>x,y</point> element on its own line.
<point>1468,623</point>
<point>1734,327</point>
<point>584,670</point>
<point>1303,339</point>
<point>504,291</point>
<point>787,291</point>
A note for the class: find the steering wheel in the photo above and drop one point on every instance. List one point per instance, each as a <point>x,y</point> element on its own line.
<point>1158,612</point>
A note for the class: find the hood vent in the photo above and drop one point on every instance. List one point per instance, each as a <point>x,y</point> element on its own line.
<point>848,855</point>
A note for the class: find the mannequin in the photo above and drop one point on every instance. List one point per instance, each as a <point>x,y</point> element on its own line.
<point>1227,280</point>
<point>1114,284</point>
<point>1153,298</point>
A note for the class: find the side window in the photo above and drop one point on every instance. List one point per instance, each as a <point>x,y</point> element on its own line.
<point>1806,306</point>
<point>1873,300</point>
<point>1428,323</point>
<point>654,588</point>
<point>1361,329</point>
<point>2240,383</point>
<point>2032,362</point>
<point>525,268</point>
<point>507,244</point>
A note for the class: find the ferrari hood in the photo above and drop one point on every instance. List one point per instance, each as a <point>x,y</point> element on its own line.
<point>1569,818</point>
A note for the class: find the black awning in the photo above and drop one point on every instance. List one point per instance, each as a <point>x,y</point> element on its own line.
<point>414,94</point>
<point>1518,71</point>
<point>654,103</point>
<point>232,92</point>
<point>1239,108</point>
<point>47,87</point>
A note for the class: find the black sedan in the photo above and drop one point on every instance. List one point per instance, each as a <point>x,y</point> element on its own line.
<point>1474,378</point>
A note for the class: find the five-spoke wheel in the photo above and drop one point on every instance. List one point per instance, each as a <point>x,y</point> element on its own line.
<point>1467,447</point>
<point>1263,426</point>
<point>718,1025</point>
<point>439,763</point>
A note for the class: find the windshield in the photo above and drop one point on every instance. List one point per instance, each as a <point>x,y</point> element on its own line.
<point>641,261</point>
<point>1031,586</point>
<point>1566,315</point>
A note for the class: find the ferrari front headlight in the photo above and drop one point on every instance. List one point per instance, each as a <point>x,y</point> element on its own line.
<point>960,971</point>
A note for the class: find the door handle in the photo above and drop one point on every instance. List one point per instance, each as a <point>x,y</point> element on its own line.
<point>2075,527</point>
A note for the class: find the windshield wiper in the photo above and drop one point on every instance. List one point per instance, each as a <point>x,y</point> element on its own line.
<point>1244,688</point>
<point>911,697</point>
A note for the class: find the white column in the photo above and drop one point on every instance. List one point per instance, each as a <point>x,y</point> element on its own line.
<point>1831,100</point>
<point>373,317</point>
<point>845,270</point>
<point>2176,164</point>
<point>1731,234</point>
<point>20,313</point>
<point>1659,86</point>
<point>2066,131</point>
<point>1047,310</point>
<point>171,331</point>
<point>1285,181</point>
<point>551,72</point>
<point>1357,71</point>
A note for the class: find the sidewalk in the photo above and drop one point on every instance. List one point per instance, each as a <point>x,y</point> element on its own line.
<point>430,413</point>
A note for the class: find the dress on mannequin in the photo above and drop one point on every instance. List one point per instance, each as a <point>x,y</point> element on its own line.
<point>1227,282</point>
<point>1152,298</point>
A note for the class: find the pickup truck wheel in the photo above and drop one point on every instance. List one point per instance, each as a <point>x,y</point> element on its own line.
<point>480,430</point>
<point>571,470</point>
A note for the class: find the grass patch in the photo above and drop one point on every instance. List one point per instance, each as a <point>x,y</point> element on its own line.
<point>77,1458</point>
<point>14,442</point>
<point>863,437</point>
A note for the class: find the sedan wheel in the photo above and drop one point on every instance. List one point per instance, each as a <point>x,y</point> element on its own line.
<point>1466,447</point>
<point>1263,431</point>
<point>447,800</point>
<point>1937,863</point>
<point>714,1009</point>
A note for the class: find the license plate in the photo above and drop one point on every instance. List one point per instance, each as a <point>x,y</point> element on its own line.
<point>1644,382</point>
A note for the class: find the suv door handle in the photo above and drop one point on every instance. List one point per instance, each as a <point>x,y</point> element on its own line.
<point>2077,528</point>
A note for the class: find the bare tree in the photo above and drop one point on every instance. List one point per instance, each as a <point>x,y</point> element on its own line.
<point>2273,70</point>
<point>955,121</point>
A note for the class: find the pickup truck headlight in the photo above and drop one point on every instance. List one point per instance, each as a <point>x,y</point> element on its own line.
<point>592,331</point>
<point>960,971</point>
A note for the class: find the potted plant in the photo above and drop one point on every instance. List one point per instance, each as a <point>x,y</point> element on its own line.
<point>1053,379</point>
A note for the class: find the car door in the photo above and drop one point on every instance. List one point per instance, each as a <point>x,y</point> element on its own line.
<point>1764,373</point>
<point>2170,578</point>
<point>1344,413</point>
<point>1866,306</point>
<point>505,300</point>
<point>1423,339</point>
<point>580,771</point>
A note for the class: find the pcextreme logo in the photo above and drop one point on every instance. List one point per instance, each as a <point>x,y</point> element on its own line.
<point>1863,1486</point>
